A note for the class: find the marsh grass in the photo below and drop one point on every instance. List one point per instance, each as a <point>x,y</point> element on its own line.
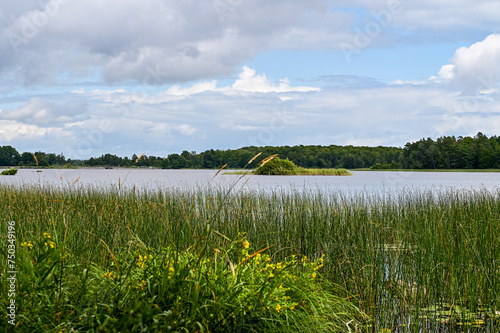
<point>412,261</point>
<point>322,172</point>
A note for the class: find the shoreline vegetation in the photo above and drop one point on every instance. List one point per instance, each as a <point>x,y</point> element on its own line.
<point>447,152</point>
<point>60,167</point>
<point>242,171</point>
<point>210,260</point>
<point>429,170</point>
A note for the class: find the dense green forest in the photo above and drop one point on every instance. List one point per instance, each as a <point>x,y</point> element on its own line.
<point>447,152</point>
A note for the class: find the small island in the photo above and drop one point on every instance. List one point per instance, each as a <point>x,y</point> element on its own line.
<point>9,172</point>
<point>274,166</point>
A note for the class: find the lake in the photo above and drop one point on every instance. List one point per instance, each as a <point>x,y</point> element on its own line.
<point>155,179</point>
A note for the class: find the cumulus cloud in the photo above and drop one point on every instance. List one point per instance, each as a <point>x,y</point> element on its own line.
<point>249,81</point>
<point>473,70</point>
<point>478,67</point>
<point>12,130</point>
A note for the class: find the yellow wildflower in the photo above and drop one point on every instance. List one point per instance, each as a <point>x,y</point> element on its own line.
<point>246,244</point>
<point>142,285</point>
<point>109,275</point>
<point>27,244</point>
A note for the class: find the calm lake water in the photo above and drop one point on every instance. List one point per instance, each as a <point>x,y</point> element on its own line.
<point>155,179</point>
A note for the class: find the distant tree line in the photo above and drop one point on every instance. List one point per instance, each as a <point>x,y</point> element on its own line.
<point>478,152</point>
<point>448,152</point>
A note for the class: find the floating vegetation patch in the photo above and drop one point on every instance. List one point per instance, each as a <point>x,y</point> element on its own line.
<point>457,318</point>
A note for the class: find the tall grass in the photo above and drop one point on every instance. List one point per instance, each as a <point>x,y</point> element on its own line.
<point>413,261</point>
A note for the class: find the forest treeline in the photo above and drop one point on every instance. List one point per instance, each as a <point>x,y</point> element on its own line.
<point>447,152</point>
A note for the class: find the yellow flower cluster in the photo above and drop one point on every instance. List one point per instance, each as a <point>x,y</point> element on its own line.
<point>142,285</point>
<point>142,260</point>
<point>109,275</point>
<point>286,273</point>
<point>171,272</point>
<point>27,244</point>
<point>314,265</point>
<point>51,244</point>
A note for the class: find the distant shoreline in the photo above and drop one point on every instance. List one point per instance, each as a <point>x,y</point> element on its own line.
<point>430,170</point>
<point>236,171</point>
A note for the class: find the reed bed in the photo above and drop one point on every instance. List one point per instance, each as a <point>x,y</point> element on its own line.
<point>414,261</point>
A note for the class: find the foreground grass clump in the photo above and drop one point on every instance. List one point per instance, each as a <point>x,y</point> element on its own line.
<point>277,166</point>
<point>9,172</point>
<point>229,287</point>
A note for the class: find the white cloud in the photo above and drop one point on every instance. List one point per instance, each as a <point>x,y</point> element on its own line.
<point>11,130</point>
<point>249,81</point>
<point>194,89</point>
<point>185,129</point>
<point>473,70</point>
<point>40,111</point>
<point>447,72</point>
<point>478,67</point>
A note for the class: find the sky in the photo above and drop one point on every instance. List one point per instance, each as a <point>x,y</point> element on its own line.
<point>86,78</point>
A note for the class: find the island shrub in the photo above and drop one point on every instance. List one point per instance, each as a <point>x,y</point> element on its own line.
<point>277,166</point>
